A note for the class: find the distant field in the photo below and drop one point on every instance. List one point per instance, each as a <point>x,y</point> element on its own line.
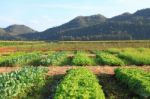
<point>74,45</point>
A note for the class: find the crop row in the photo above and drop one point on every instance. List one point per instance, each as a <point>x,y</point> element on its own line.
<point>105,58</point>
<point>18,59</point>
<point>138,81</point>
<point>17,84</point>
<point>112,57</point>
<point>116,57</point>
<point>81,59</point>
<point>58,58</point>
<point>79,84</point>
<point>136,57</point>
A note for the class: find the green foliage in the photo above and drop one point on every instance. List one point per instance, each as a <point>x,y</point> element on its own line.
<point>17,84</point>
<point>136,56</point>
<point>18,59</point>
<point>113,50</point>
<point>79,84</point>
<point>137,80</point>
<point>81,59</point>
<point>56,59</point>
<point>109,59</point>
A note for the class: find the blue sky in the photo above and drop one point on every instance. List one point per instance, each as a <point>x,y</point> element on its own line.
<point>43,14</point>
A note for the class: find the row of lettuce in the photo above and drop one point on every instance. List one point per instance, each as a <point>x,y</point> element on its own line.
<point>82,84</point>
<point>79,83</point>
<point>138,81</point>
<point>112,57</point>
<point>20,83</point>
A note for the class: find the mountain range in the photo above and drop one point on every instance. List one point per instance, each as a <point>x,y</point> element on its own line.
<point>126,26</point>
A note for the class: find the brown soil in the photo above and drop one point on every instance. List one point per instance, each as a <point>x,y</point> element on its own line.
<point>89,55</point>
<point>58,70</point>
<point>5,50</point>
<point>55,70</point>
<point>7,69</point>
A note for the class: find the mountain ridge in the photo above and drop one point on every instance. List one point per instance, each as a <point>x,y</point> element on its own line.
<point>126,26</point>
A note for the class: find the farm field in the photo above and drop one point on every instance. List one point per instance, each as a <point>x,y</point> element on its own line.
<point>70,45</point>
<point>75,70</point>
<point>111,57</point>
<point>112,88</point>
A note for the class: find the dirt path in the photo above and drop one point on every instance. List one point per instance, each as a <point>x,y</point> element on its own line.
<point>5,50</point>
<point>58,70</point>
<point>89,55</point>
<point>7,69</point>
<point>95,69</point>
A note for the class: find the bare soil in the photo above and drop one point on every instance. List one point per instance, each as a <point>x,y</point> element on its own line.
<point>89,55</point>
<point>6,50</point>
<point>59,70</point>
<point>7,69</point>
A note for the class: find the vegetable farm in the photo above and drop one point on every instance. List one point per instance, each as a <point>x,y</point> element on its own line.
<point>124,57</point>
<point>109,73</point>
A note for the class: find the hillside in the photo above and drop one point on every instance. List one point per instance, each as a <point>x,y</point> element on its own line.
<point>18,29</point>
<point>126,26</point>
<point>123,27</point>
<point>12,31</point>
<point>79,22</point>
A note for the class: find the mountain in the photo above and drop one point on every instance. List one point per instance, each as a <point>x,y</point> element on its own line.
<point>2,31</point>
<point>76,23</point>
<point>122,17</point>
<point>126,26</point>
<point>143,13</point>
<point>109,31</point>
<point>18,29</point>
<point>79,22</point>
<point>12,31</point>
